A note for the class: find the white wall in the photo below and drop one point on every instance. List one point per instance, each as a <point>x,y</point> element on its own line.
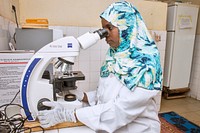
<point>7,30</point>
<point>195,74</point>
<point>6,9</point>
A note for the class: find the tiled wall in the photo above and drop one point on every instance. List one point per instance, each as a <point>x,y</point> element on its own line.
<point>195,74</point>
<point>7,30</point>
<point>160,39</point>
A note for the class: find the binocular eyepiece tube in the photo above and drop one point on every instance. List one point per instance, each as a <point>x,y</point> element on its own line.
<point>102,33</point>
<point>90,38</point>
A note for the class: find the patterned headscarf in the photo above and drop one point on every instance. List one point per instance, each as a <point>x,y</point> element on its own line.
<point>136,61</point>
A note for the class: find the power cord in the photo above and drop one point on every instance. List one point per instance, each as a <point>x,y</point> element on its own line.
<point>14,123</point>
<point>14,9</point>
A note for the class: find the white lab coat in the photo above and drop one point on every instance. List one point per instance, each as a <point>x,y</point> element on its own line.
<point>116,109</point>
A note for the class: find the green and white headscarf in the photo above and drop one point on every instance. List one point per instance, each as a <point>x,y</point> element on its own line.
<point>136,61</point>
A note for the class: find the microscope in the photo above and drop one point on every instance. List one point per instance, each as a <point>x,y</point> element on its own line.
<point>35,89</point>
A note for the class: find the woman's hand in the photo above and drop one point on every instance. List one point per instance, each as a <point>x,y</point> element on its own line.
<point>57,114</point>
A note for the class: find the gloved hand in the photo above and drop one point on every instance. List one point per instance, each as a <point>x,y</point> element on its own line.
<point>79,94</point>
<point>57,114</point>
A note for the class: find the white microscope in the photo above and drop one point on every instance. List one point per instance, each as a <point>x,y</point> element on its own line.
<point>35,89</point>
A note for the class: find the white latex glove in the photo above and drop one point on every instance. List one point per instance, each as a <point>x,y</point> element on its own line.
<point>79,94</point>
<point>57,114</point>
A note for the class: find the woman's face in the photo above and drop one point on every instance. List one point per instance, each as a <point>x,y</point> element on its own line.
<point>113,33</point>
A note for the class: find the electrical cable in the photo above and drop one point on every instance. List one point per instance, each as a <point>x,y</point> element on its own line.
<point>14,9</point>
<point>14,97</point>
<point>14,123</point>
<point>14,37</point>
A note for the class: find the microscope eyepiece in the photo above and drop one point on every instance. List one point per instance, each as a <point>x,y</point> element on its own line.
<point>90,38</point>
<point>102,32</point>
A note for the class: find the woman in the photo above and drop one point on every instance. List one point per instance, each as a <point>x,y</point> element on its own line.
<point>131,77</point>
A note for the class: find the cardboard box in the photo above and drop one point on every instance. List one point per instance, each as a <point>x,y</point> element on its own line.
<point>12,65</point>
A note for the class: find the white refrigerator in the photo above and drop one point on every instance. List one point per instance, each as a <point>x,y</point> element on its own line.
<point>181,30</point>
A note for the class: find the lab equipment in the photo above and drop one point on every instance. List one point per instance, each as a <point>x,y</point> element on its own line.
<point>34,89</point>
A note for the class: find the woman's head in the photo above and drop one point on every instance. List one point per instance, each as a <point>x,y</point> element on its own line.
<point>121,18</point>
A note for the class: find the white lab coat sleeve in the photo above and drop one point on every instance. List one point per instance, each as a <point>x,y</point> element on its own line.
<point>92,97</point>
<point>116,113</point>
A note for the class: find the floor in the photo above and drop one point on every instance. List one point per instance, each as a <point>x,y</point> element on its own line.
<point>187,107</point>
